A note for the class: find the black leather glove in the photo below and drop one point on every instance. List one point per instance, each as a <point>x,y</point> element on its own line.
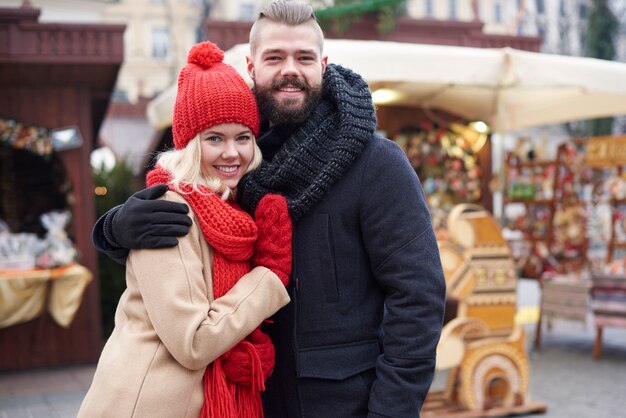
<point>143,222</point>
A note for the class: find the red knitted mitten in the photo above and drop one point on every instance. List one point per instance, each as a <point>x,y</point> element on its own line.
<point>241,360</point>
<point>273,246</point>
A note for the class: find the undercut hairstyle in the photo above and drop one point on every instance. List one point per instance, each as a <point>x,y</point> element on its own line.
<point>185,167</point>
<point>285,12</point>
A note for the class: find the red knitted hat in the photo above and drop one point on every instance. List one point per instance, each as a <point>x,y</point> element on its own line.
<point>210,93</point>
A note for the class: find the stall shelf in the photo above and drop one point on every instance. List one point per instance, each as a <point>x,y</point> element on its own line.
<point>551,222</point>
<point>608,291</point>
<point>529,184</point>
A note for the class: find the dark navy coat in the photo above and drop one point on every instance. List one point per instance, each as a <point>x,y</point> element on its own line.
<point>359,337</point>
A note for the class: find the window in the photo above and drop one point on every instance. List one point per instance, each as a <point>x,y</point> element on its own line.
<point>497,13</point>
<point>119,95</point>
<point>452,9</point>
<point>428,8</point>
<point>247,11</point>
<point>541,31</point>
<point>160,42</point>
<point>541,7</point>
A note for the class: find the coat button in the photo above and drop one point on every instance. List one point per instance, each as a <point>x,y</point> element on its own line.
<point>295,283</point>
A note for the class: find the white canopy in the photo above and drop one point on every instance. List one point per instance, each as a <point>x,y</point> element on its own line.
<point>507,88</point>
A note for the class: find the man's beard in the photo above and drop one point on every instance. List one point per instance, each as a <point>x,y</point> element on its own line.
<point>288,113</point>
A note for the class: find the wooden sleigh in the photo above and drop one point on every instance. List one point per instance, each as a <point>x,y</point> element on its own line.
<point>481,347</point>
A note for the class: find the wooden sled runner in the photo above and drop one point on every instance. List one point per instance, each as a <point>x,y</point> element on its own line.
<point>481,347</point>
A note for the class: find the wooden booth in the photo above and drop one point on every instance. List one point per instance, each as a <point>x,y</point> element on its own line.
<point>53,76</point>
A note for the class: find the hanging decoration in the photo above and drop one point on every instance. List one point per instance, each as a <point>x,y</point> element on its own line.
<point>445,162</point>
<point>35,139</point>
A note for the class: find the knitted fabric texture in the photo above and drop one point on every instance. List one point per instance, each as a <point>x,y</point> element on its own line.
<point>210,93</point>
<point>321,150</point>
<point>233,391</point>
<point>273,247</point>
<point>239,359</point>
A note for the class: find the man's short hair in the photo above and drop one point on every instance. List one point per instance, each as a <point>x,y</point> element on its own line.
<point>285,12</point>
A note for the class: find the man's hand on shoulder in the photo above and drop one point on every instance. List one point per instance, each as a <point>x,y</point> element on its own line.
<point>145,222</point>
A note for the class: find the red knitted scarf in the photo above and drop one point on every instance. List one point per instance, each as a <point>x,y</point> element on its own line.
<point>232,382</point>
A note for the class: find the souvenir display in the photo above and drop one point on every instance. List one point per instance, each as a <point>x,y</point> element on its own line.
<point>544,201</point>
<point>445,163</point>
<point>25,251</point>
<point>568,217</point>
<point>31,138</point>
<point>19,251</point>
<point>39,273</point>
<point>59,248</point>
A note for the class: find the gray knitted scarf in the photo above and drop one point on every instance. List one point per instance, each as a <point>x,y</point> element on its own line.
<point>321,150</point>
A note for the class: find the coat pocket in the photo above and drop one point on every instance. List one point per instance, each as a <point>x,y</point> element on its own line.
<point>338,362</point>
<point>326,256</point>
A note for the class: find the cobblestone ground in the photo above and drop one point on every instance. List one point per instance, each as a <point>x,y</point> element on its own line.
<point>571,382</point>
<point>44,393</point>
<point>564,375</point>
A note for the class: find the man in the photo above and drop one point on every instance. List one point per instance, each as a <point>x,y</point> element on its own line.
<point>359,337</point>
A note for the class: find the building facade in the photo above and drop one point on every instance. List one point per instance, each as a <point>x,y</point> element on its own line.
<point>561,23</point>
<point>64,11</point>
<point>160,32</point>
<point>158,36</point>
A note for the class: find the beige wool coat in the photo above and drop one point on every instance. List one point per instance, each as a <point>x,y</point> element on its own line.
<point>168,328</point>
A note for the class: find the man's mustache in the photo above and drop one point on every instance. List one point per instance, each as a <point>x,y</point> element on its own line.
<point>290,82</point>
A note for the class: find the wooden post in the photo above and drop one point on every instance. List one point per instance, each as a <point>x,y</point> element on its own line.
<point>597,345</point>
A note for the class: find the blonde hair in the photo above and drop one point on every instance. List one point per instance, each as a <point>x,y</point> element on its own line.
<point>285,12</point>
<point>185,167</point>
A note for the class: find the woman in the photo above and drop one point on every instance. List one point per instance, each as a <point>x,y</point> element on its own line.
<point>187,341</point>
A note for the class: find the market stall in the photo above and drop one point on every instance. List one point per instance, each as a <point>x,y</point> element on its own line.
<point>564,216</point>
<point>54,78</point>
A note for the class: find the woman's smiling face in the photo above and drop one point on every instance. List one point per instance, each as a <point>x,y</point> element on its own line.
<point>226,152</point>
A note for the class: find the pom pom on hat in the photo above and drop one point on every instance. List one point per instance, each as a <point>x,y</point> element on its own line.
<point>210,93</point>
<point>205,54</point>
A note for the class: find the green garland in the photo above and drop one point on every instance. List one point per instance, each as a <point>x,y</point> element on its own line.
<point>355,8</point>
<point>344,13</point>
<point>35,139</point>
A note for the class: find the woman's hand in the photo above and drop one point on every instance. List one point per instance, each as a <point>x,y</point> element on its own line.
<point>273,246</point>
